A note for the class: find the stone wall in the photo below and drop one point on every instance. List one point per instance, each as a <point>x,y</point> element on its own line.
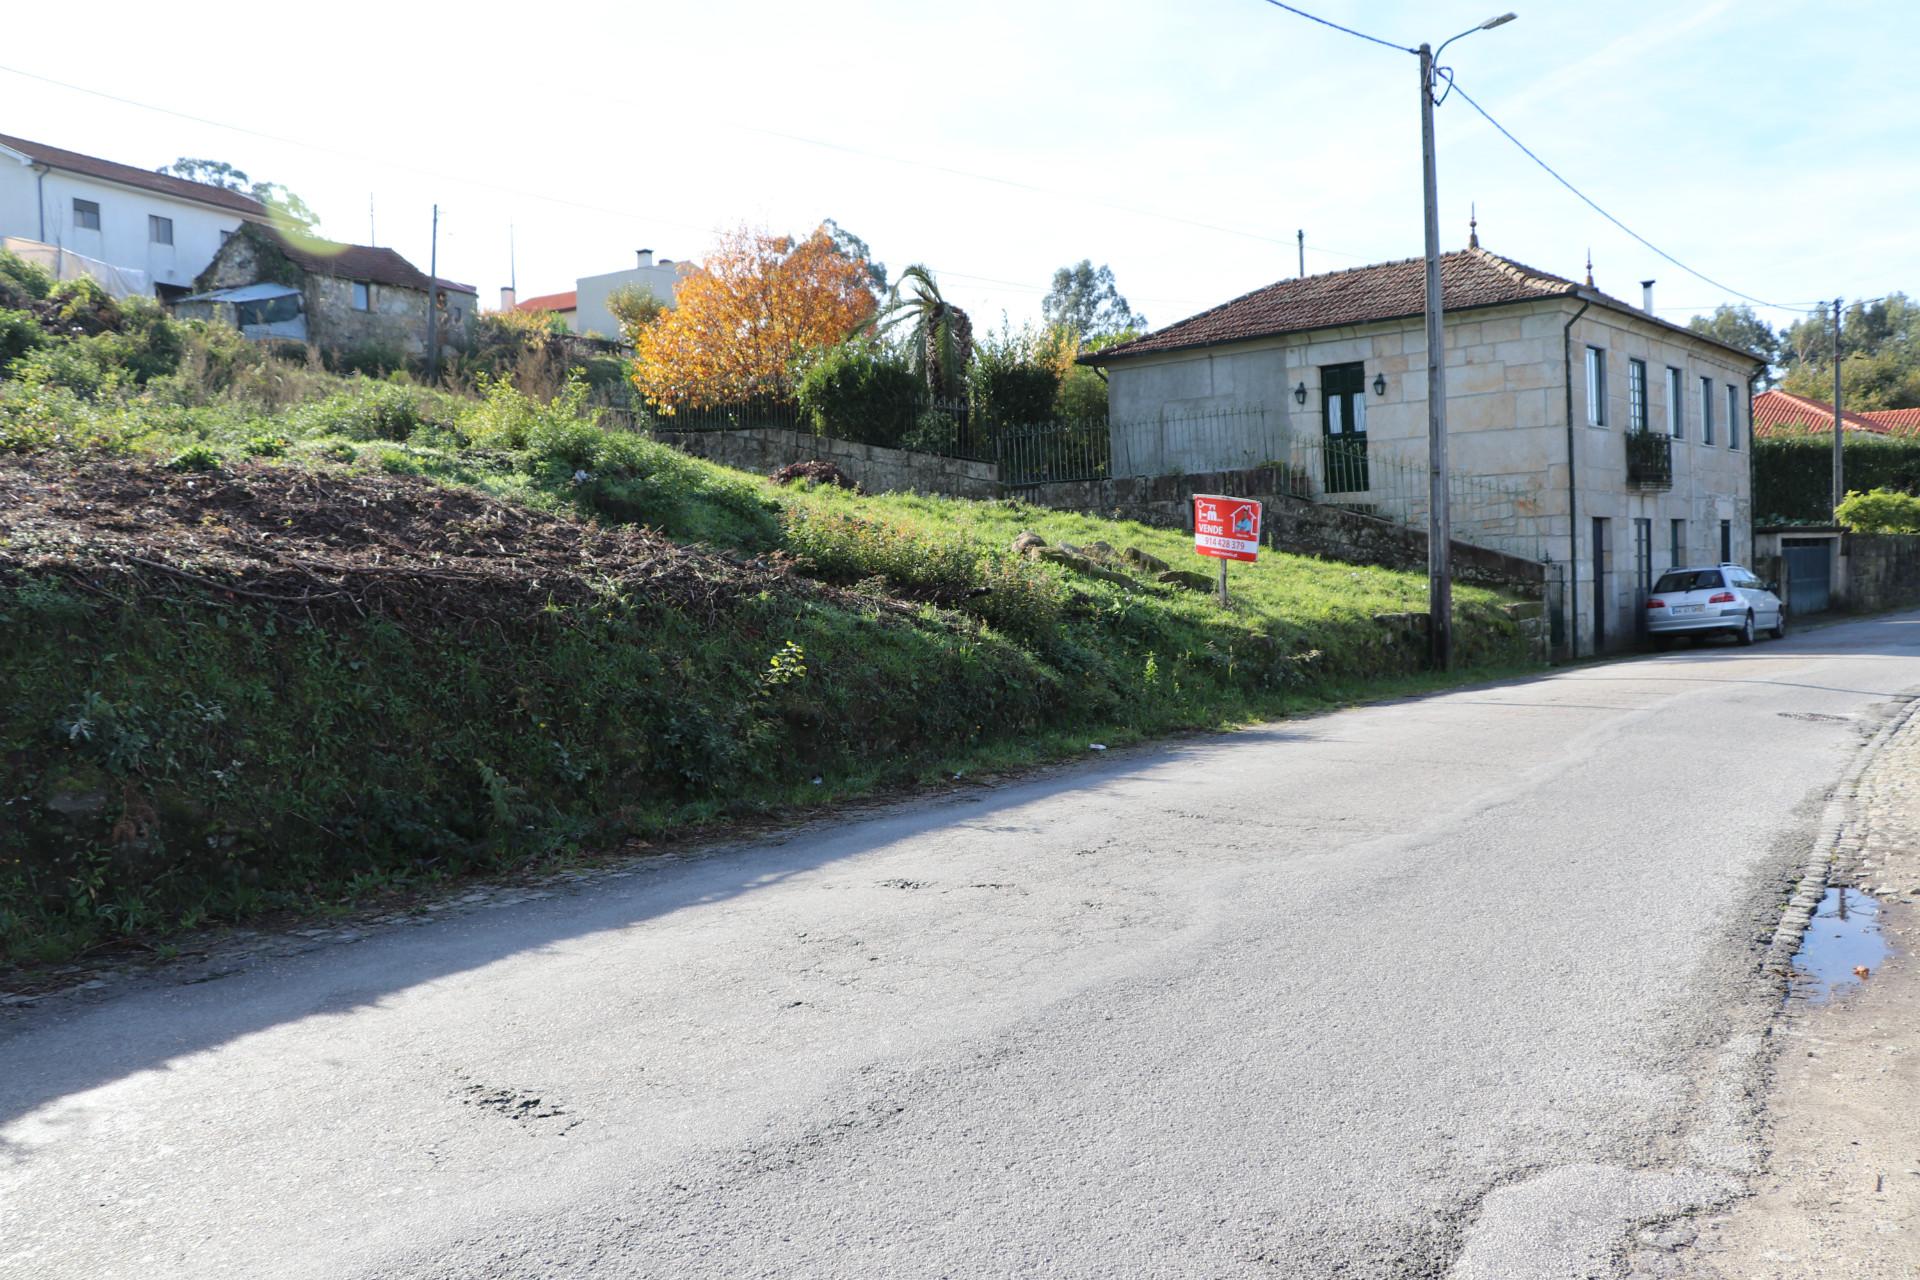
<point>873,468</point>
<point>1882,571</point>
<point>1291,523</point>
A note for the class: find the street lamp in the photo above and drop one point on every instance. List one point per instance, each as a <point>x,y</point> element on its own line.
<point>1439,518</point>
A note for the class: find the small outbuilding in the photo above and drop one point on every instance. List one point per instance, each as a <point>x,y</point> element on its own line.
<point>338,297</point>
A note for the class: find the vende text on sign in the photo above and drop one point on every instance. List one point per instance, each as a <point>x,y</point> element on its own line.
<point>1226,528</point>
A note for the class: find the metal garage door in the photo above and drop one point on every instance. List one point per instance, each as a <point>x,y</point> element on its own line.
<point>1809,564</point>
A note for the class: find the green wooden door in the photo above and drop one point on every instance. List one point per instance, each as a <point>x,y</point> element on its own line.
<point>1343,422</point>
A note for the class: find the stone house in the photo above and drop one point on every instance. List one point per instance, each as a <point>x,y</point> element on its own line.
<point>338,297</point>
<point>1582,430</point>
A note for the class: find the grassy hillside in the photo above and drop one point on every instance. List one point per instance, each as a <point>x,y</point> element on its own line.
<point>268,652</point>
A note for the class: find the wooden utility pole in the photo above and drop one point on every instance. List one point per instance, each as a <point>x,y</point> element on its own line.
<point>433,302</point>
<point>1839,455</point>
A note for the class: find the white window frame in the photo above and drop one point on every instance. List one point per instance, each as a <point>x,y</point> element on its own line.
<point>1706,410</point>
<point>1596,386</point>
<point>86,209</point>
<point>1638,417</point>
<point>156,223</point>
<point>1676,403</point>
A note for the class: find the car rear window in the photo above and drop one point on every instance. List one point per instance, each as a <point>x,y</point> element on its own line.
<point>1690,580</point>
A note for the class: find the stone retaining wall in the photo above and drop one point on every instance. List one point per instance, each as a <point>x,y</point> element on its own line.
<point>873,468</point>
<point>1882,571</point>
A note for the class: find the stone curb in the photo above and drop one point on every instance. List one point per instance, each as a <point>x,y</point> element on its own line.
<point>1839,835</point>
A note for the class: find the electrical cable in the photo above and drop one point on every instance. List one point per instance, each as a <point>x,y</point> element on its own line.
<point>1312,17</point>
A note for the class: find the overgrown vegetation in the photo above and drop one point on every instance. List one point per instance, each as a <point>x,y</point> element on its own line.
<point>1793,475</point>
<point>272,638</point>
<point>1880,511</point>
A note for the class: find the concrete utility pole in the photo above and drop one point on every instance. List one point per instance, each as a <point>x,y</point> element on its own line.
<point>433,302</point>
<point>1300,237</point>
<point>1839,455</point>
<point>1439,513</point>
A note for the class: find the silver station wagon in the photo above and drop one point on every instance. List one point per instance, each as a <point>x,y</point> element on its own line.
<point>1720,599</point>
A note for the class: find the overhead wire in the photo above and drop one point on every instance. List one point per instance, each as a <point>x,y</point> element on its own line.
<point>1446,74</point>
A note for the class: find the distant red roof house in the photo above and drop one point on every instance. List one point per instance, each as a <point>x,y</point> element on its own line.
<point>562,303</point>
<point>1781,413</point>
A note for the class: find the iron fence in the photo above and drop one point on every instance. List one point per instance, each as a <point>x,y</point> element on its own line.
<point>1053,452</point>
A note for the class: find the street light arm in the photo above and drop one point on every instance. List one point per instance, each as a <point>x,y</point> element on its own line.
<point>1488,25</point>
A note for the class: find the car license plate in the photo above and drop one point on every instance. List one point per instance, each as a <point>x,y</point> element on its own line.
<point>1688,608</point>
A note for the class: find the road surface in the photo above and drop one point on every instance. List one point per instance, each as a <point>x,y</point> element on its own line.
<point>1457,985</point>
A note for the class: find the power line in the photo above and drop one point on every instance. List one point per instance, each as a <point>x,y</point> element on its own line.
<point>1454,87</point>
<point>1400,48</point>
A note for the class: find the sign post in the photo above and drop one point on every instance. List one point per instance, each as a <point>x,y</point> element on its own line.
<point>1226,529</point>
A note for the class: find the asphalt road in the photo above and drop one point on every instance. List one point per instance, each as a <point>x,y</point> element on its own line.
<point>1458,985</point>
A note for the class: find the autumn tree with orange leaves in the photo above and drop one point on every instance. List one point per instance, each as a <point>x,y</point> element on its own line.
<point>759,302</point>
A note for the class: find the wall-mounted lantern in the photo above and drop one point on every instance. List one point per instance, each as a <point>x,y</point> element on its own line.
<point>1300,393</point>
<point>1379,384</point>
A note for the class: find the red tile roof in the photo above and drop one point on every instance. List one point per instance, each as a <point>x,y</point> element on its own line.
<point>1902,422</point>
<point>1469,279</point>
<point>132,176</point>
<point>1781,413</point>
<point>568,301</point>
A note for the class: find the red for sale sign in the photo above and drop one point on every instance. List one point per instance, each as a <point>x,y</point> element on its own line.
<point>1226,528</point>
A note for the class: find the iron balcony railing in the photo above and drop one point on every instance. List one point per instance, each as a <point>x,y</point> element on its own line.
<point>1649,460</point>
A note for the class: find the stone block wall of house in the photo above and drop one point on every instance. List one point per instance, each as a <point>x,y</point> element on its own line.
<point>873,468</point>
<point>395,317</point>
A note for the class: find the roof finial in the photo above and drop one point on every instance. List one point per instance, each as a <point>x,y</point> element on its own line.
<point>1589,268</point>
<point>1473,227</point>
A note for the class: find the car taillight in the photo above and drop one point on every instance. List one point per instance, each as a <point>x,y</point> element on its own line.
<point>1720,597</point>
<point>1656,604</point>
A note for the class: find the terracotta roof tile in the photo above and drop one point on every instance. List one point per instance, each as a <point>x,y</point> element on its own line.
<point>1902,422</point>
<point>132,176</point>
<point>1469,278</point>
<point>568,301</point>
<point>1781,413</point>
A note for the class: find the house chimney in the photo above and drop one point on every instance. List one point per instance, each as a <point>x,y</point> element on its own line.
<point>645,256</point>
<point>507,298</point>
<point>1646,296</point>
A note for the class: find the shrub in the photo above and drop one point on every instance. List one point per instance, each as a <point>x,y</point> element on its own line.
<point>197,457</point>
<point>1880,511</point>
<point>859,391</point>
<point>1793,475</point>
<point>374,359</point>
<point>1013,380</point>
<point>19,334</point>
<point>147,342</point>
<point>936,430</point>
<point>21,281</point>
<point>369,411</point>
<point>83,306</point>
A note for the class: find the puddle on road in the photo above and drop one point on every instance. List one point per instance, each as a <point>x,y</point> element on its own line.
<point>1843,935</point>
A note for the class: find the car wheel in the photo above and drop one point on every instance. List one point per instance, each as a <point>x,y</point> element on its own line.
<point>1780,624</point>
<point>1745,634</point>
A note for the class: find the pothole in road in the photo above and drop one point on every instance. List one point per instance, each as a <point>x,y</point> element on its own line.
<point>1842,947</point>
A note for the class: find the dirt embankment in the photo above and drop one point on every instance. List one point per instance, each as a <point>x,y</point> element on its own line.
<point>325,541</point>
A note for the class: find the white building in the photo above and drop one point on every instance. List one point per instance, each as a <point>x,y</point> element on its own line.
<point>1582,430</point>
<point>584,307</point>
<point>166,229</point>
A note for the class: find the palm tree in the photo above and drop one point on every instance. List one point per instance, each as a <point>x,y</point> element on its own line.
<point>940,341</point>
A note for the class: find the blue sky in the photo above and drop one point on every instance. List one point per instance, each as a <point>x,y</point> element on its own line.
<point>1770,145</point>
